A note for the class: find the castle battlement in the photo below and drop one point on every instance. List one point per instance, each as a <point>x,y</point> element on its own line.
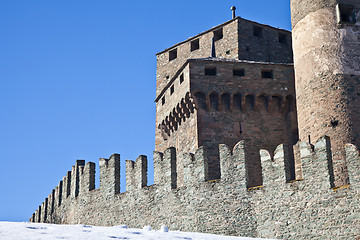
<point>163,202</point>
<point>227,157</point>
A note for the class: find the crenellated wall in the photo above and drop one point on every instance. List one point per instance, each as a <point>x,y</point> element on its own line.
<point>309,207</point>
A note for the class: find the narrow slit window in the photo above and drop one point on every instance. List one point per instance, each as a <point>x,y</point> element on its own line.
<point>239,72</point>
<point>267,74</point>
<point>172,89</point>
<point>173,54</point>
<point>163,100</point>
<point>181,78</point>
<point>346,14</point>
<point>210,71</point>
<point>194,45</point>
<point>218,34</point>
<point>282,38</point>
<point>258,31</point>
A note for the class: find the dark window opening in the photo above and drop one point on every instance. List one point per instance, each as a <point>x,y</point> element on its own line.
<point>225,102</point>
<point>237,102</point>
<point>334,123</point>
<point>218,34</point>
<point>194,45</point>
<point>163,100</point>
<point>173,54</point>
<point>239,72</point>
<point>275,104</point>
<point>267,74</point>
<point>214,101</point>
<point>172,90</point>
<point>249,102</point>
<point>228,52</point>
<point>258,31</point>
<point>240,128</point>
<point>290,104</point>
<point>346,14</point>
<point>201,100</point>
<point>181,78</point>
<point>262,103</point>
<point>282,38</point>
<point>210,71</point>
<point>167,77</point>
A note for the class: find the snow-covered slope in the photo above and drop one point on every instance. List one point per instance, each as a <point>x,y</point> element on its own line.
<point>32,231</point>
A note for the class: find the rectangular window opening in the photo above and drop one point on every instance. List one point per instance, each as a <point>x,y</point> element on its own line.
<point>163,100</point>
<point>282,38</point>
<point>173,54</point>
<point>210,71</point>
<point>172,90</point>
<point>239,72</point>
<point>346,14</point>
<point>258,31</point>
<point>181,78</point>
<point>218,34</point>
<point>267,74</point>
<point>194,45</point>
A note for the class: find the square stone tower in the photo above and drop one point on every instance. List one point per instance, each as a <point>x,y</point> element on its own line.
<point>232,82</point>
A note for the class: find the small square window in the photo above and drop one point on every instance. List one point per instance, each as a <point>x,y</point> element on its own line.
<point>210,71</point>
<point>258,31</point>
<point>194,45</point>
<point>181,78</point>
<point>239,72</point>
<point>163,100</point>
<point>173,54</point>
<point>267,74</point>
<point>172,90</point>
<point>282,38</point>
<point>346,14</point>
<point>218,34</point>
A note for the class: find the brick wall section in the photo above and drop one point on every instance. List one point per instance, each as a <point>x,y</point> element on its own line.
<point>238,42</point>
<point>304,209</point>
<point>326,56</point>
<point>267,121</point>
<point>264,123</point>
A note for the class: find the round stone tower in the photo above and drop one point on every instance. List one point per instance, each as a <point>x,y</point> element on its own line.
<point>326,37</point>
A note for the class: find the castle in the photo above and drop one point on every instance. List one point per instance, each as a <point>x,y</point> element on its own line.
<point>244,144</point>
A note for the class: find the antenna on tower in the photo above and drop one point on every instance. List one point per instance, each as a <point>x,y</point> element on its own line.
<point>233,8</point>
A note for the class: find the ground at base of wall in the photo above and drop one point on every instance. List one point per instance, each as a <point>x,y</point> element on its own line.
<point>30,231</point>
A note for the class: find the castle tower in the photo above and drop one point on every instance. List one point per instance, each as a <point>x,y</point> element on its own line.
<point>327,73</point>
<point>246,93</point>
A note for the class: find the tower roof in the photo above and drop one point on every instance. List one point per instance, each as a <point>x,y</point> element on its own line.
<point>218,26</point>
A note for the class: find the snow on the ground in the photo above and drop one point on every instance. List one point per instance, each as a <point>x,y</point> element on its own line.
<point>35,231</point>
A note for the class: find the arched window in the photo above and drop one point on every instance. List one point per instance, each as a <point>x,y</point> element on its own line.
<point>262,103</point>
<point>214,101</point>
<point>237,101</point>
<point>225,102</point>
<point>201,99</point>
<point>249,102</point>
<point>275,104</point>
<point>290,104</point>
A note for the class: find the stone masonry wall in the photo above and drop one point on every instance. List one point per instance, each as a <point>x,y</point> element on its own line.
<point>306,208</point>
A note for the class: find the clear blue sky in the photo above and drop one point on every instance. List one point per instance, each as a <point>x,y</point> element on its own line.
<point>78,82</point>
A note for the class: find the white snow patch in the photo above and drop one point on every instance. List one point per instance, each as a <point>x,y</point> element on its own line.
<point>44,231</point>
<point>164,229</point>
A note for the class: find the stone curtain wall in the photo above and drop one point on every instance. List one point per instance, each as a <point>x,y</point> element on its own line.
<point>306,208</point>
